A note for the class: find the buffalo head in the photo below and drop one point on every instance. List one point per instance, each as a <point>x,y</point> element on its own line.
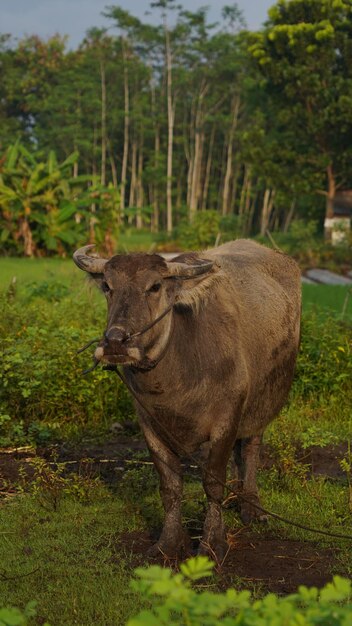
<point>140,288</point>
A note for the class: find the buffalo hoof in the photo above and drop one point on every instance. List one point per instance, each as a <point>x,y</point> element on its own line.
<point>216,550</point>
<point>171,549</point>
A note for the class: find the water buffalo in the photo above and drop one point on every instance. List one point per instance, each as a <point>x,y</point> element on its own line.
<point>214,369</point>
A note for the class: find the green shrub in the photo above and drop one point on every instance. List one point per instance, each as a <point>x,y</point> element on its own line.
<point>231,227</point>
<point>201,233</point>
<point>325,360</point>
<point>42,391</point>
<point>175,603</point>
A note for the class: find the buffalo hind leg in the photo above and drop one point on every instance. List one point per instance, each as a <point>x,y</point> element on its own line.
<point>173,540</point>
<point>246,457</point>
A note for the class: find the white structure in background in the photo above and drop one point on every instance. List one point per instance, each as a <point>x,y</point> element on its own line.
<point>338,227</point>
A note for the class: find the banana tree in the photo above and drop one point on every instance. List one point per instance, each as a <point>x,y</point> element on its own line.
<point>37,201</point>
<point>44,209</point>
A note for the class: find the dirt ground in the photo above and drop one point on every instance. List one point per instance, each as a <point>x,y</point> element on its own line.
<point>269,562</point>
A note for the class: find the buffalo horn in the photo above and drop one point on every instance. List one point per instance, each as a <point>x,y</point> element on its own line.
<point>93,265</point>
<point>183,270</point>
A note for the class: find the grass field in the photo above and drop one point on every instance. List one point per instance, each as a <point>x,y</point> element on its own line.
<point>62,536</point>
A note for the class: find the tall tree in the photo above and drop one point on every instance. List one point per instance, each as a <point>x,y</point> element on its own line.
<point>304,54</point>
<point>166,6</point>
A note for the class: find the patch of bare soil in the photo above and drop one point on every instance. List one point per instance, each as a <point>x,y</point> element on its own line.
<point>110,458</point>
<point>266,562</point>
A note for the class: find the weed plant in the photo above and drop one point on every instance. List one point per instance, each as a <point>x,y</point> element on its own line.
<point>176,601</point>
<point>44,396</point>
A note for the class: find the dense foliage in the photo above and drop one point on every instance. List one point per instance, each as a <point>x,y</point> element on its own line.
<point>179,118</point>
<point>180,605</point>
<point>44,207</point>
<point>44,395</point>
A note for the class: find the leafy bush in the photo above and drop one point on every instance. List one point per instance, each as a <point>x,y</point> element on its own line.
<point>44,209</point>
<point>324,364</point>
<point>42,391</point>
<point>52,291</point>
<point>175,603</point>
<point>207,228</point>
<point>231,227</point>
<point>201,233</point>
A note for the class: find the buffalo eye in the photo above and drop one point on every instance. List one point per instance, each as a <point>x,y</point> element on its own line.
<point>105,287</point>
<point>154,288</point>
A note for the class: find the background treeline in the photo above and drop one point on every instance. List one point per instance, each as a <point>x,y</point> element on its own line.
<point>151,126</point>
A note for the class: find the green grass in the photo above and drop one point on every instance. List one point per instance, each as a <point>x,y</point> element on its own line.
<point>328,298</point>
<point>73,564</point>
<point>132,240</point>
<point>27,271</point>
<point>71,560</point>
<point>68,560</point>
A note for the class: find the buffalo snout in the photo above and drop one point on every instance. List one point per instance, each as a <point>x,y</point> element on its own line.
<point>118,346</point>
<point>115,341</point>
<point>115,335</point>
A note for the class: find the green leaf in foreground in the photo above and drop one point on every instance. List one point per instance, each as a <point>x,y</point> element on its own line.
<point>175,603</point>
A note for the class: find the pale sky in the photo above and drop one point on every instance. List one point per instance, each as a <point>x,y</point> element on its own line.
<point>74,17</point>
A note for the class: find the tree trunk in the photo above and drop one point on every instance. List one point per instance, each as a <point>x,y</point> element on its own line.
<point>220,184</point>
<point>179,189</point>
<point>103,123</point>
<point>132,199</point>
<point>113,167</point>
<point>155,221</point>
<point>241,209</point>
<point>268,202</point>
<point>189,150</point>
<point>289,216</point>
<point>228,172</point>
<point>126,129</point>
<point>154,224</point>
<point>139,203</point>
<point>197,162</point>
<point>93,219</point>
<point>247,205</point>
<point>171,103</point>
<point>208,169</point>
<point>26,234</point>
<point>249,221</point>
<point>235,176</point>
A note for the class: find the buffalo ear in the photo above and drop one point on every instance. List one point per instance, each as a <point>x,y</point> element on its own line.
<point>187,268</point>
<point>195,277</point>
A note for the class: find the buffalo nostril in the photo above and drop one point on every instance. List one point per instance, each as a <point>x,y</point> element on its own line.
<point>106,340</point>
<point>116,335</point>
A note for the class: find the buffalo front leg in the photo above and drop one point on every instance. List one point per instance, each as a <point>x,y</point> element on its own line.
<point>214,477</point>
<point>173,540</point>
<point>246,456</point>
